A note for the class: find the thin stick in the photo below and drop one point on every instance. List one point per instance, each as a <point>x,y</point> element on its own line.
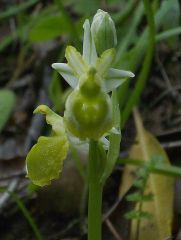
<point>113,230</point>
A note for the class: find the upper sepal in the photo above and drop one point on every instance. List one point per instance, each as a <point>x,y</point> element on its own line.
<point>89,49</point>
<point>75,61</point>
<point>105,61</point>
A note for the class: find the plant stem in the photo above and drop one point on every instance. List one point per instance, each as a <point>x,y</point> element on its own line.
<point>95,194</point>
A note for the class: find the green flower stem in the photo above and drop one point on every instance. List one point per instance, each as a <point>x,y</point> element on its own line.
<point>95,194</point>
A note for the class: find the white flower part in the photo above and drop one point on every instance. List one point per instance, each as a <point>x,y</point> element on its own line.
<point>116,77</point>
<point>105,142</point>
<point>66,72</point>
<point>115,131</point>
<point>118,73</point>
<point>78,65</point>
<point>110,85</point>
<point>89,49</point>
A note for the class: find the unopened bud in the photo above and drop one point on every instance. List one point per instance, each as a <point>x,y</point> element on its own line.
<point>103,31</point>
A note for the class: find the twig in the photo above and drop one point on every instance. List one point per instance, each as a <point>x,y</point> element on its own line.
<point>16,175</point>
<point>165,76</point>
<point>11,187</point>
<point>163,94</point>
<point>111,210</point>
<point>113,230</point>
<point>171,144</point>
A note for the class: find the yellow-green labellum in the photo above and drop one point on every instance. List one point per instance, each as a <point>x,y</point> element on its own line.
<point>45,160</point>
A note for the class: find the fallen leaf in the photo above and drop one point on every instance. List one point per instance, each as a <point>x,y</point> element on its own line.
<point>161,207</point>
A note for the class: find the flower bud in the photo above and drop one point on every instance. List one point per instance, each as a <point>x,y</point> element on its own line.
<point>103,31</point>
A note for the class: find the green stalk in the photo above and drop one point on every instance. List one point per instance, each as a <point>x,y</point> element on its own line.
<point>95,194</point>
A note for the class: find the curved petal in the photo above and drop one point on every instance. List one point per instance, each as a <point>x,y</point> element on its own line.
<point>53,119</point>
<point>105,62</point>
<point>75,61</point>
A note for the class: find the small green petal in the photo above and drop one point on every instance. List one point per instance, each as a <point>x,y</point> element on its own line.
<point>104,63</point>
<point>45,159</point>
<point>52,118</point>
<point>75,61</point>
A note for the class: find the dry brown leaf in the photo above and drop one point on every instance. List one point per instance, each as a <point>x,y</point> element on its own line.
<point>158,227</point>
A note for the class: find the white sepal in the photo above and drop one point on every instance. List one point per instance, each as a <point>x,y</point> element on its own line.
<point>66,72</point>
<point>89,49</point>
<point>112,84</point>
<point>115,78</point>
<point>117,74</point>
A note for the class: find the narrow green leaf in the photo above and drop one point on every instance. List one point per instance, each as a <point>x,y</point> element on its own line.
<point>137,197</point>
<point>134,214</point>
<point>26,213</point>
<point>169,33</point>
<point>47,28</point>
<point>7,101</point>
<point>114,139</point>
<point>16,8</point>
<point>139,183</point>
